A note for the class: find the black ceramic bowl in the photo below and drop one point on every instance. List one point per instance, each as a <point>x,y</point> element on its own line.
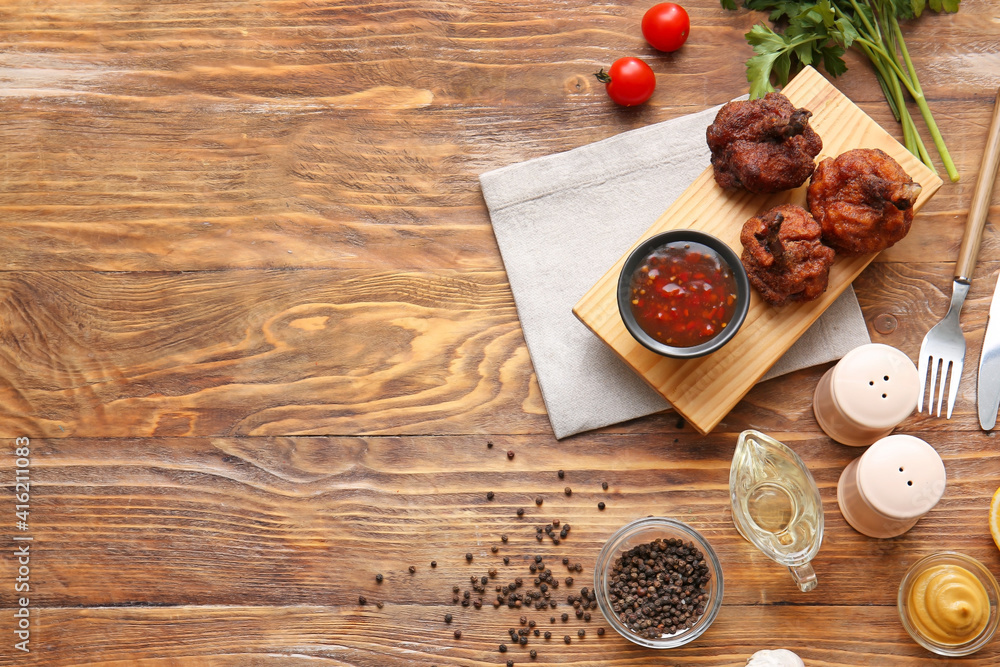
<point>635,260</point>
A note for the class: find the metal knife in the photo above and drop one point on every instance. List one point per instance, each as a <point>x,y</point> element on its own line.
<point>989,366</point>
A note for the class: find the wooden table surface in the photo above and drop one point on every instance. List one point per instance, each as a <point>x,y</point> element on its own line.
<point>256,329</point>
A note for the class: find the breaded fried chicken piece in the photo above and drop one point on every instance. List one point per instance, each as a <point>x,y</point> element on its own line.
<point>784,256</point>
<point>763,145</point>
<point>863,200</point>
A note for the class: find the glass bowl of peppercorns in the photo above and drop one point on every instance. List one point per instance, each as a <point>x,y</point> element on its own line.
<point>658,583</point>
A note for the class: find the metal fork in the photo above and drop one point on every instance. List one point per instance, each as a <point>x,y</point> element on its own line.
<point>943,350</point>
<point>943,353</point>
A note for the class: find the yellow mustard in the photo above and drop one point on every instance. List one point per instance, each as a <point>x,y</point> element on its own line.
<point>948,604</point>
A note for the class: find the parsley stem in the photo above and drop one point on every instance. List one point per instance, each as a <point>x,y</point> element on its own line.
<point>925,111</point>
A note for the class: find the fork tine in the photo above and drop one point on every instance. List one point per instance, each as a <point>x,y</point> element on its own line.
<point>956,376</point>
<point>922,371</point>
<point>945,367</point>
<point>930,389</point>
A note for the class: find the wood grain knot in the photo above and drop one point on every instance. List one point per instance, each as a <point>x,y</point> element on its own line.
<point>577,84</point>
<point>885,324</point>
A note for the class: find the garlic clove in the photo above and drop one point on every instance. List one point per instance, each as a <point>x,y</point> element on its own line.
<point>775,658</point>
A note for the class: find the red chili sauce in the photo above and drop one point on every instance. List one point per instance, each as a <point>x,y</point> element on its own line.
<point>683,294</point>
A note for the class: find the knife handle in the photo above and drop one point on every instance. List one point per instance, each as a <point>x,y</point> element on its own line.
<point>981,195</point>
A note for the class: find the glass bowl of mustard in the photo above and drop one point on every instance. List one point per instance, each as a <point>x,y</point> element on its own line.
<point>948,604</point>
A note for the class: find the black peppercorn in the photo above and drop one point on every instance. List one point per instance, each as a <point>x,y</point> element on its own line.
<point>503,538</point>
<point>468,557</point>
<point>568,491</point>
<point>489,444</point>
<point>538,500</point>
<point>510,453</point>
<point>458,634</point>
<point>581,633</point>
<point>600,505</point>
<point>566,639</point>
<point>447,618</point>
<point>362,599</point>
<point>503,648</point>
<point>412,569</point>
<point>378,578</point>
<point>548,635</point>
<point>604,485</point>
<point>520,511</point>
<point>562,474</point>
<point>489,495</point>
<point>600,631</point>
<point>434,563</point>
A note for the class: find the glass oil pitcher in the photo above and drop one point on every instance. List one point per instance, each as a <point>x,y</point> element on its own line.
<point>776,505</point>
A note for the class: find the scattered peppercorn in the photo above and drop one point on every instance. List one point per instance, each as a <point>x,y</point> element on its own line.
<point>503,648</point>
<point>503,538</point>
<point>565,617</point>
<point>458,634</point>
<point>533,653</point>
<point>548,635</point>
<point>568,491</point>
<point>604,485</point>
<point>468,557</point>
<point>447,618</point>
<point>434,563</point>
<point>489,495</point>
<point>581,633</point>
<point>510,663</point>
<point>520,511</point>
<point>562,474</point>
<point>565,560</point>
<point>566,639</point>
<point>506,560</point>
<point>600,632</point>
<point>379,604</point>
<point>569,581</point>
<point>494,548</point>
<point>538,500</point>
<point>378,578</point>
<point>600,505</point>
<point>412,569</point>
<point>510,453</point>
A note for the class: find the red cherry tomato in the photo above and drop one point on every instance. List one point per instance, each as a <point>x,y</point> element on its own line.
<point>629,81</point>
<point>666,26</point>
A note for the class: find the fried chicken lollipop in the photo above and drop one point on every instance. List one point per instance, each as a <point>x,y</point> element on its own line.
<point>763,145</point>
<point>784,256</point>
<point>863,200</point>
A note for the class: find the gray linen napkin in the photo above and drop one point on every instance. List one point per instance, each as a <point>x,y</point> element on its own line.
<point>563,220</point>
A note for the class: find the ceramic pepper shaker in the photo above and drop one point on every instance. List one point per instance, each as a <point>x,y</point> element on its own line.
<point>868,393</point>
<point>885,491</point>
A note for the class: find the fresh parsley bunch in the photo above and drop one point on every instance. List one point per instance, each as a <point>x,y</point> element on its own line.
<point>820,32</point>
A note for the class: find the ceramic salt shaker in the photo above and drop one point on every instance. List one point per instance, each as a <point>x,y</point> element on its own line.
<point>885,491</point>
<point>868,393</point>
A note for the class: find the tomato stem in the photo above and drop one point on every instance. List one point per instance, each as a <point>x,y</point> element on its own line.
<point>603,76</point>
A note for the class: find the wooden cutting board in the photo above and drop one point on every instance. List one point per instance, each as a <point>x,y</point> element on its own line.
<point>704,390</point>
